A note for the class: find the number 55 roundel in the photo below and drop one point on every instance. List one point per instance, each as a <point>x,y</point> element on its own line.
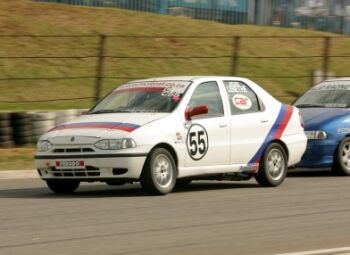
<point>197,142</point>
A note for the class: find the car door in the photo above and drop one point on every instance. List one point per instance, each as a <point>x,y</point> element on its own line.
<point>208,135</point>
<point>250,121</point>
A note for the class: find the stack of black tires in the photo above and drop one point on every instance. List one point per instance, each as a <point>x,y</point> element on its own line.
<point>42,122</point>
<point>6,140</point>
<point>21,123</point>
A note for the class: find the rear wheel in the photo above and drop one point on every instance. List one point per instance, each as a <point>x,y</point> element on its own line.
<point>341,162</point>
<point>159,174</point>
<point>63,186</point>
<point>273,166</point>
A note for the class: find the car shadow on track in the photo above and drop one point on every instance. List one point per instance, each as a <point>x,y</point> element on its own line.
<point>214,185</point>
<point>129,190</point>
<point>311,173</point>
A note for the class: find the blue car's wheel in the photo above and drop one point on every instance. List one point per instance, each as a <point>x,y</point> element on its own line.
<point>341,162</point>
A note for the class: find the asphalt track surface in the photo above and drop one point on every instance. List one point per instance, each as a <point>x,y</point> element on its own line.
<point>310,211</point>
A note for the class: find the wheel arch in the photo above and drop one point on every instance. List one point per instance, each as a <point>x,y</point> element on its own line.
<point>338,145</point>
<point>167,147</point>
<point>285,147</point>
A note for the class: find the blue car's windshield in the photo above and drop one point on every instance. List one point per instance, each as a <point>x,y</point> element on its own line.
<point>326,94</point>
<point>148,96</point>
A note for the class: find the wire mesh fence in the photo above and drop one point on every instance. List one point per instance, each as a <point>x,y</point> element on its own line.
<point>323,15</point>
<point>65,71</point>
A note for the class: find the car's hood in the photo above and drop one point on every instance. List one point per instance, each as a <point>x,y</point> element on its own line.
<point>104,125</point>
<point>317,116</point>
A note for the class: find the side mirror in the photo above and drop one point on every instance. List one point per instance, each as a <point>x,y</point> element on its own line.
<point>197,110</point>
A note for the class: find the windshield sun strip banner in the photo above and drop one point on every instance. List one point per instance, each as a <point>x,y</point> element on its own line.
<point>331,86</point>
<point>128,127</point>
<point>178,86</point>
<point>275,132</point>
<point>144,89</point>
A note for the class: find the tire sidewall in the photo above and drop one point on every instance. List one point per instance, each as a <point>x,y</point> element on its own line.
<point>63,186</point>
<point>338,164</point>
<point>264,165</point>
<point>149,178</point>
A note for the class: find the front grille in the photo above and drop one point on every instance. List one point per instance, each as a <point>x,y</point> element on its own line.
<point>73,150</point>
<point>87,171</point>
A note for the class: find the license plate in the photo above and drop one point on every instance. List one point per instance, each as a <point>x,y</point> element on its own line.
<point>70,164</point>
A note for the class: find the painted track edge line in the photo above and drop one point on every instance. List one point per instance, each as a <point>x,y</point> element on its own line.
<point>318,252</point>
<point>18,174</point>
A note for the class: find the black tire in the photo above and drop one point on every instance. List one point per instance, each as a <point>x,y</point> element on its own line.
<point>273,166</point>
<point>5,138</point>
<point>5,131</point>
<point>341,165</point>
<point>5,116</point>
<point>8,144</point>
<point>43,116</point>
<point>183,182</point>
<point>24,133</point>
<point>162,160</point>
<point>19,115</point>
<point>63,186</point>
<point>5,123</point>
<point>23,140</point>
<point>21,122</point>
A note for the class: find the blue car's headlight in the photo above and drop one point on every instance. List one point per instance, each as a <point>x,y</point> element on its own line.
<point>316,134</point>
<point>115,144</point>
<point>43,146</point>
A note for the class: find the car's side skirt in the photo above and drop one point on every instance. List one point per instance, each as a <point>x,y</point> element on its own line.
<point>203,170</point>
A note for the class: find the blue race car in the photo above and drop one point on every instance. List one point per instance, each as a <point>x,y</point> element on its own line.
<point>325,109</point>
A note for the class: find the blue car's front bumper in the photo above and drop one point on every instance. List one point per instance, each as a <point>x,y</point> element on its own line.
<point>318,154</point>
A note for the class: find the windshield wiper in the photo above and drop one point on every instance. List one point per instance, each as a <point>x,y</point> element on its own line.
<point>102,111</point>
<point>109,111</point>
<point>310,105</point>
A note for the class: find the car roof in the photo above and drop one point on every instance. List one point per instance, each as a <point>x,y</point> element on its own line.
<point>186,78</point>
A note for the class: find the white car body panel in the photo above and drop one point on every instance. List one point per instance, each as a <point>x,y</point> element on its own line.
<point>235,142</point>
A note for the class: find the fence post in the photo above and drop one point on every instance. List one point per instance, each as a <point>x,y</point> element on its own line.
<point>236,44</point>
<point>99,67</point>
<point>325,66</point>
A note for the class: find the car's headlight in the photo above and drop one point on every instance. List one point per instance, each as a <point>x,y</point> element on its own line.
<point>43,146</point>
<point>316,134</point>
<point>115,144</point>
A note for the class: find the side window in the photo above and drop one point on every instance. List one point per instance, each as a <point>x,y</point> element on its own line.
<point>208,93</point>
<point>242,98</point>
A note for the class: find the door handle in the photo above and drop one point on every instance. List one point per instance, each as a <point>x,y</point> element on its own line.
<point>222,125</point>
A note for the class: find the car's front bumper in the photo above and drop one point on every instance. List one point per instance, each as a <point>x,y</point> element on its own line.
<point>319,153</point>
<point>96,166</point>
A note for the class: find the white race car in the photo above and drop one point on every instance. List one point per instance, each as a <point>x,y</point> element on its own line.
<point>161,131</point>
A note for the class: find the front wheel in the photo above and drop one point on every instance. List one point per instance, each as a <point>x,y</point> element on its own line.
<point>341,162</point>
<point>273,166</point>
<point>159,173</point>
<point>63,186</point>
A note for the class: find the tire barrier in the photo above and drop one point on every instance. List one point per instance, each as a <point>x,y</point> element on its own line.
<point>66,115</point>
<point>42,122</point>
<point>6,140</point>
<point>24,128</point>
<point>21,124</point>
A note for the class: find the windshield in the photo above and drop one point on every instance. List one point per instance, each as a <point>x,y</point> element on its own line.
<point>150,96</point>
<point>326,94</point>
